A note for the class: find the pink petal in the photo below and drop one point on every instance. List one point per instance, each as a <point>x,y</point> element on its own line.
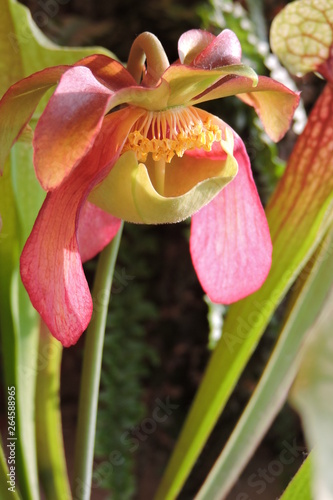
<point>191,43</point>
<point>224,50</point>
<point>69,125</point>
<point>96,229</point>
<point>19,102</point>
<point>51,267</point>
<point>230,242</point>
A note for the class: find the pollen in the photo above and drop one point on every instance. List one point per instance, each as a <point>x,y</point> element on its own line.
<point>165,134</point>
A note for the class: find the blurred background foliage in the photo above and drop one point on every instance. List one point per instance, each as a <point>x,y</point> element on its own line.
<point>157,341</point>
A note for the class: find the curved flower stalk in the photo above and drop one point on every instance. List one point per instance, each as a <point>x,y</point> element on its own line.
<point>116,143</point>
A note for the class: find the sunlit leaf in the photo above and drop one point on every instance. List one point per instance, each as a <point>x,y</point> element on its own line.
<point>302,35</point>
<point>312,395</point>
<point>30,46</point>
<point>300,485</point>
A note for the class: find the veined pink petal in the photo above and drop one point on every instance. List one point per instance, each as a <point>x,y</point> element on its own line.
<point>274,103</point>
<point>51,267</point>
<point>96,229</point>
<point>230,242</point>
<point>69,125</point>
<point>112,72</point>
<point>225,49</point>
<point>18,104</point>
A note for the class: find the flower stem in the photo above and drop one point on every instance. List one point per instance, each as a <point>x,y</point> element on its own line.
<point>50,446</point>
<point>147,46</point>
<point>91,371</point>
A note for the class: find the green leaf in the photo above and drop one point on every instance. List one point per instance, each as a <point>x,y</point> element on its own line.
<point>299,215</point>
<point>300,485</point>
<point>25,321</point>
<point>302,35</point>
<point>312,396</point>
<point>31,46</point>
<point>24,50</point>
<point>11,68</point>
<point>29,195</point>
<point>309,294</point>
<point>8,257</point>
<point>9,252</point>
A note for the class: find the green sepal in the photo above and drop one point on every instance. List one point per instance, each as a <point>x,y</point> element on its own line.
<point>187,83</point>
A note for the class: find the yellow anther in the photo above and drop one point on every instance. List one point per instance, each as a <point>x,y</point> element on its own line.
<point>168,133</point>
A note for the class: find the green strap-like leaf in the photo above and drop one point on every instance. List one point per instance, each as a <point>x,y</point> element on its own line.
<point>25,320</point>
<point>38,52</point>
<point>299,214</point>
<point>312,395</point>
<point>11,68</point>
<point>310,293</point>
<point>300,486</point>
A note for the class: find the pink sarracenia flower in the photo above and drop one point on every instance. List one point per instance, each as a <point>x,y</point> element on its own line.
<point>154,159</point>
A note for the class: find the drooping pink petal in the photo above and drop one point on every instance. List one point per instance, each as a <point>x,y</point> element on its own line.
<point>274,103</point>
<point>69,125</point>
<point>18,104</point>
<point>51,267</point>
<point>225,49</point>
<point>230,242</point>
<point>96,229</point>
